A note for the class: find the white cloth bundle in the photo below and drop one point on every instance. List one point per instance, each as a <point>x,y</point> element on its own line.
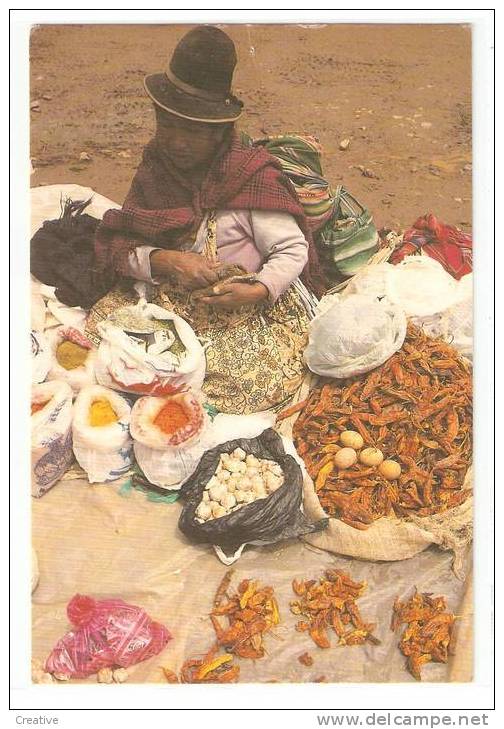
<point>41,357</point>
<point>105,452</point>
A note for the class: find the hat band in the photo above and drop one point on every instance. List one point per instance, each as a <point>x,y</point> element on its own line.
<point>192,90</point>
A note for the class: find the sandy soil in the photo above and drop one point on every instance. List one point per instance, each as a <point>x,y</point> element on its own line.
<point>401,94</point>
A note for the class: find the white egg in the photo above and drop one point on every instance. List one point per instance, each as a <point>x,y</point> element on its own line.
<point>240,454</point>
<point>228,501</point>
<point>223,475</point>
<point>218,491</point>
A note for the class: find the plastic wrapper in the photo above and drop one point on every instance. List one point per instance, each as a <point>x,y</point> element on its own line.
<point>353,335</point>
<point>264,521</point>
<point>124,365</point>
<point>107,633</point>
<point>41,357</point>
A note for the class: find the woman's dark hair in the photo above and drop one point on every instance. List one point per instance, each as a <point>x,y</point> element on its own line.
<point>162,115</point>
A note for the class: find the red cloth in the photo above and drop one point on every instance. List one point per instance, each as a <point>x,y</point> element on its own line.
<point>446,244</point>
<point>162,207</point>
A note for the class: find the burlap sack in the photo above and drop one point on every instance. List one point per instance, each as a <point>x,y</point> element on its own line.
<point>387,539</point>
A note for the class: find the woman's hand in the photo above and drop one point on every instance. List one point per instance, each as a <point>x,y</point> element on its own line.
<point>189,269</point>
<point>234,295</point>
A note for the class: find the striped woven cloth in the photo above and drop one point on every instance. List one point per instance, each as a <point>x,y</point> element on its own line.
<point>343,229</point>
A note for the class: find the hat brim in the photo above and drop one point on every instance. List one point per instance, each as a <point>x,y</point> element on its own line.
<point>168,97</point>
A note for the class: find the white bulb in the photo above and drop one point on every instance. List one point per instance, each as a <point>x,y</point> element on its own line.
<point>240,454</point>
<point>223,475</point>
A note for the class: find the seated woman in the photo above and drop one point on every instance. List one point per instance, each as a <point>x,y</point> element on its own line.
<point>204,205</point>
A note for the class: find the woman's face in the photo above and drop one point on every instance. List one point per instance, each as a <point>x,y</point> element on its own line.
<point>189,144</point>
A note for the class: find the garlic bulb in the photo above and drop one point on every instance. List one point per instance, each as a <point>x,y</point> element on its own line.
<point>214,481</point>
<point>228,501</point>
<point>251,471</point>
<point>345,458</point>
<point>218,511</point>
<point>240,496</point>
<point>249,497</point>
<point>239,454</point>
<point>245,483</point>
<point>276,469</point>
<point>273,483</point>
<point>352,439</point>
<point>370,456</point>
<point>206,497</point>
<point>234,466</point>
<point>204,510</point>
<point>223,475</point>
<point>242,466</point>
<point>218,491</point>
<point>390,470</point>
<point>252,461</point>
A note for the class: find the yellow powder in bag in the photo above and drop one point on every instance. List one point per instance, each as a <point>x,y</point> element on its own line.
<point>71,355</point>
<point>101,412</point>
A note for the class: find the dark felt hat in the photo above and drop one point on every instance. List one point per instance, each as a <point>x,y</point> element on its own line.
<point>197,83</point>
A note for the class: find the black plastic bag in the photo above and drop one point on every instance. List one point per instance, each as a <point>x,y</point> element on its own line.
<point>273,519</point>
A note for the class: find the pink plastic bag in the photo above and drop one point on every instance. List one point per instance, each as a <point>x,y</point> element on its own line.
<point>107,633</point>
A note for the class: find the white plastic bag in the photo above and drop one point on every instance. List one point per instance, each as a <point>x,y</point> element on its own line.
<point>353,335</point>
<point>123,365</point>
<point>51,435</point>
<point>105,452</point>
<point>78,377</point>
<point>429,296</point>
<point>170,467</point>
<point>41,357</point>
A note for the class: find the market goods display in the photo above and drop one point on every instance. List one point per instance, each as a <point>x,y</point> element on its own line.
<point>416,411</point>
<point>106,634</point>
<point>73,358</point>
<point>148,350</point>
<point>273,518</point>
<point>251,612</point>
<point>329,604</point>
<point>51,434</point>
<point>428,635</point>
<point>239,479</point>
<point>101,441</point>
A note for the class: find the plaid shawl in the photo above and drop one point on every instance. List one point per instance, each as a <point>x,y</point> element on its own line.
<point>162,207</point>
<point>446,244</point>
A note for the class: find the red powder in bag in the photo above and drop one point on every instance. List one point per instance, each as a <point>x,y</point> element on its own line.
<point>171,417</point>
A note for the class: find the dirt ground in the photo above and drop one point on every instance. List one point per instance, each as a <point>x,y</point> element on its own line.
<point>400,93</point>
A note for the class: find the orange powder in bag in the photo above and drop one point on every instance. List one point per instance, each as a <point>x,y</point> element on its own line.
<point>101,413</point>
<point>171,418</point>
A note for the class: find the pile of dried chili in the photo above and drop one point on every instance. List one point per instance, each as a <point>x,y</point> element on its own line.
<point>329,603</point>
<point>251,612</point>
<point>417,407</point>
<point>428,635</point>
